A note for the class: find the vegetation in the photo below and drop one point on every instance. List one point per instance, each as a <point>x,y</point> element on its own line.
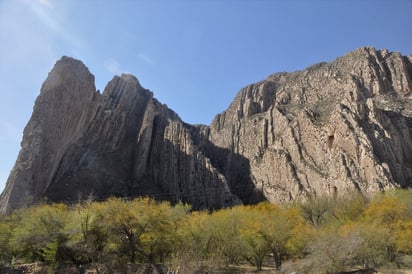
<point>319,235</point>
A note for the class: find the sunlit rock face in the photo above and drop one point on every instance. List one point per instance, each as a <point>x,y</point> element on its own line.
<point>330,129</point>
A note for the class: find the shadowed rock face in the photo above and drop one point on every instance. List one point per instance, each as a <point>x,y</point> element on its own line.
<point>331,128</point>
<point>80,143</point>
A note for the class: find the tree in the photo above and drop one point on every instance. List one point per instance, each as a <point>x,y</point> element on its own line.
<point>317,209</point>
<point>329,251</point>
<point>403,237</point>
<point>226,225</point>
<point>41,233</point>
<point>6,230</point>
<point>88,237</point>
<point>253,245</point>
<point>387,213</point>
<point>377,245</point>
<point>283,230</point>
<point>196,243</point>
<point>141,230</point>
<point>348,208</point>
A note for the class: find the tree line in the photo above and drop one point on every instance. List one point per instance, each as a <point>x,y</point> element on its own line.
<point>320,234</point>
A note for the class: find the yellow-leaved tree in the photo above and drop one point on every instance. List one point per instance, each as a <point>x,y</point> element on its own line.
<point>141,230</point>
<point>387,214</point>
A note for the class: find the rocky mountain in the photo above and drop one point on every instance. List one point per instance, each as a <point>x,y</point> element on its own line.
<point>330,129</point>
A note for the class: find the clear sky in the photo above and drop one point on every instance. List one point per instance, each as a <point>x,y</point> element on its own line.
<point>194,55</point>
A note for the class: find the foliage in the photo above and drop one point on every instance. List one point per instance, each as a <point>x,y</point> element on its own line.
<point>6,227</point>
<point>139,231</point>
<point>334,234</point>
<point>41,233</point>
<point>283,231</point>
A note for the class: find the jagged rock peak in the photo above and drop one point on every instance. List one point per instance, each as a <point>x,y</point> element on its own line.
<point>130,78</point>
<point>65,70</point>
<point>80,143</point>
<point>332,128</point>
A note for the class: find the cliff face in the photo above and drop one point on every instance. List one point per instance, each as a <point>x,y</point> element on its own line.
<point>80,143</point>
<point>331,128</point>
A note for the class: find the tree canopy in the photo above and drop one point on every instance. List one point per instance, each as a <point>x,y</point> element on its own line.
<point>324,234</point>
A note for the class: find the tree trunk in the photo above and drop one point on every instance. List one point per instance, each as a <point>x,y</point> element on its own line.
<point>259,266</point>
<point>278,261</point>
<point>156,269</point>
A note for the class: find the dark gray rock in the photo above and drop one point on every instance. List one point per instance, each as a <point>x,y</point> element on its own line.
<point>80,144</point>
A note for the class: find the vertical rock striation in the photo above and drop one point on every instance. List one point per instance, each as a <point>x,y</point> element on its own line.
<point>62,112</point>
<point>330,129</point>
<point>80,143</point>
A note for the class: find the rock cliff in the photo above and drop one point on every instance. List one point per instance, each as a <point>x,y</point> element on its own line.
<point>332,128</point>
<point>80,143</point>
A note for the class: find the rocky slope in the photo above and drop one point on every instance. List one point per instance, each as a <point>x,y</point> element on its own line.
<point>331,128</point>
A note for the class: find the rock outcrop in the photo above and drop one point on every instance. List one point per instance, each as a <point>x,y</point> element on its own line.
<point>80,143</point>
<point>330,129</point>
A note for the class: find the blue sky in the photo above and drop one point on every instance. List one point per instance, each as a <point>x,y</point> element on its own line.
<point>194,55</point>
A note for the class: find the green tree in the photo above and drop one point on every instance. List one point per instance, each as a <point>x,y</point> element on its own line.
<point>6,230</point>
<point>196,245</point>
<point>253,246</point>
<point>88,237</point>
<point>41,233</point>
<point>226,226</point>
<point>316,210</point>
<point>373,251</point>
<point>348,208</point>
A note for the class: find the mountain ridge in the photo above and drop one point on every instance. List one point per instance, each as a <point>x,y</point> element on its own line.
<point>329,129</point>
